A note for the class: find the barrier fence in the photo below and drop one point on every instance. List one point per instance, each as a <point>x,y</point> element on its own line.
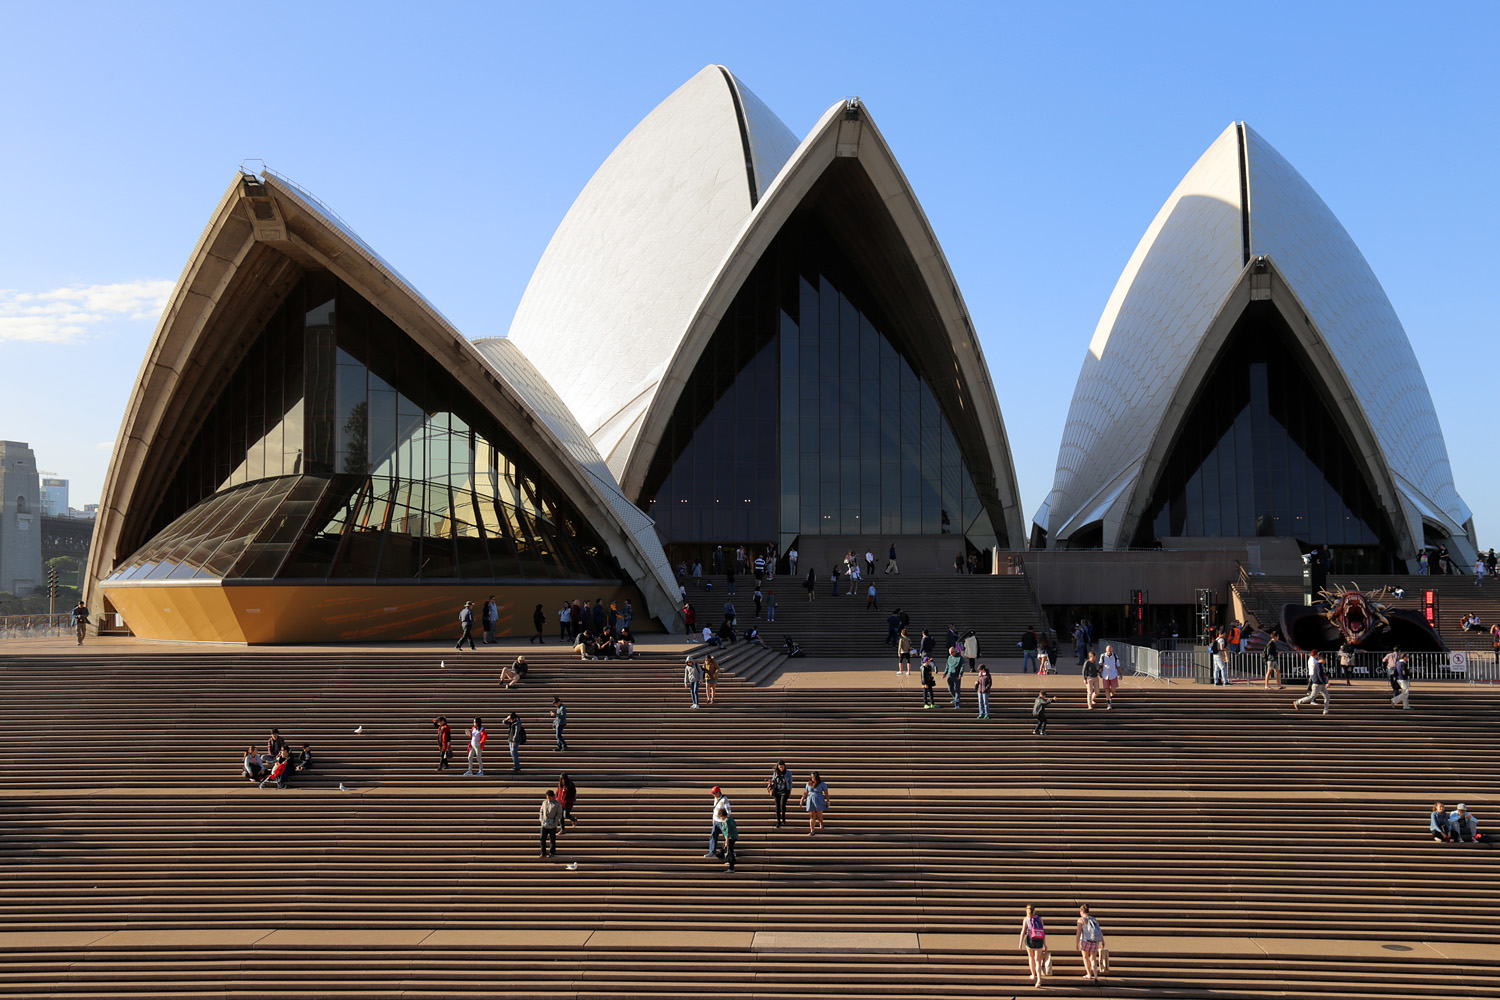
<point>1196,665</point>
<point>35,626</point>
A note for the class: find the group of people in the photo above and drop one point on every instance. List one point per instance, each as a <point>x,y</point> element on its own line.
<point>1484,566</point>
<point>1101,675</point>
<point>278,765</point>
<point>1453,827</point>
<point>1087,935</point>
<point>700,674</point>
<point>478,736</point>
<point>573,619</point>
<point>610,644</point>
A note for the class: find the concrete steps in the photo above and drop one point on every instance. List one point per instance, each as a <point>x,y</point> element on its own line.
<point>1213,831</point>
<point>999,608</point>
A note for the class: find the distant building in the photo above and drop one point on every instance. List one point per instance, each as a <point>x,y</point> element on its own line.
<point>20,520</point>
<point>54,497</point>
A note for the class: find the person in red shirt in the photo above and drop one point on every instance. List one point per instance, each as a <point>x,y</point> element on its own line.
<point>445,741</point>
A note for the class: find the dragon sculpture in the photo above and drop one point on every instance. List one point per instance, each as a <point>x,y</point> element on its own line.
<point>1362,620</point>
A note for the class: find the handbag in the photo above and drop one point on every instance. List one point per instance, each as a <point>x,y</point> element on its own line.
<point>1046,962</point>
<point>1103,964</point>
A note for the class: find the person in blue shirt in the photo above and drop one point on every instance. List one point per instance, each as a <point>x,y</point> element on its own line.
<point>954,672</point>
<point>1437,823</point>
<point>815,801</point>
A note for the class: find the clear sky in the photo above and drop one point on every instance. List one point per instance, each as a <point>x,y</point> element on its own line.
<point>1040,138</point>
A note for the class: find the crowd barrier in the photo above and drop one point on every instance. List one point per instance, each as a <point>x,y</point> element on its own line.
<point>1196,665</point>
<point>35,626</point>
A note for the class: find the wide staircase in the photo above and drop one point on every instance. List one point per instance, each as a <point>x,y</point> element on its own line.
<point>1229,846</point>
<point>999,608</point>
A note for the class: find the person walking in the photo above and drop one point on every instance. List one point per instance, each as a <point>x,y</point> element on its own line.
<point>770,605</point>
<point>445,741</point>
<point>729,579</point>
<point>721,810</point>
<point>982,684</point>
<point>567,795</point>
<point>810,584</point>
<point>1109,675</point>
<point>563,620</point>
<point>872,600</point>
<point>1090,940</point>
<point>815,801</point>
<point>929,681</point>
<point>711,675</point>
<point>791,561</point>
<point>835,580</point>
<point>551,816</point>
<point>466,627</point>
<point>559,715</point>
<point>953,671</point>
<point>538,619</point>
<point>890,562</point>
<point>489,617</point>
<point>1034,943</point>
<point>81,621</point>
<point>1090,681</point>
<point>692,678</point>
<point>1272,653</point>
<point>779,787</point>
<point>515,736</point>
<point>760,602</point>
<point>1317,682</point>
<point>477,736</point>
<point>1402,676</point>
<point>1039,712</point>
<point>726,827</point>
<point>903,654</point>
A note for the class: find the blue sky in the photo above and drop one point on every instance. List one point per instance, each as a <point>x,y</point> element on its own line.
<point>1041,140</point>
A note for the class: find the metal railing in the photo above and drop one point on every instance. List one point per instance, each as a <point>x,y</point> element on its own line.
<point>1196,665</point>
<point>35,626</point>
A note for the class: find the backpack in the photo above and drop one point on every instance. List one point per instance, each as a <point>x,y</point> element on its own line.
<point>520,734</point>
<point>1091,931</point>
<point>1035,928</point>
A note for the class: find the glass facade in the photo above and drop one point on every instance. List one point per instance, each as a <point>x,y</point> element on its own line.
<point>810,413</point>
<point>341,450</point>
<point>1261,453</point>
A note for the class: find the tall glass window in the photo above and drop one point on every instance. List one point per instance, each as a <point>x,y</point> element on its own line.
<point>1262,454</point>
<point>809,413</point>
<point>340,450</point>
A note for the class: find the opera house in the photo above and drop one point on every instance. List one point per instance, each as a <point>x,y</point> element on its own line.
<point>736,338</point>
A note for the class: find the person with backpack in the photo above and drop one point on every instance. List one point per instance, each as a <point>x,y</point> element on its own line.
<point>567,795</point>
<point>1317,682</point>
<point>779,787</point>
<point>692,678</point>
<point>1090,943</point>
<point>1272,654</point>
<point>559,723</point>
<point>515,735</point>
<point>1034,943</point>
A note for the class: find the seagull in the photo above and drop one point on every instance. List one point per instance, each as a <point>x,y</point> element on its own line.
<point>343,787</point>
<point>573,867</point>
<point>359,730</point>
<point>442,664</point>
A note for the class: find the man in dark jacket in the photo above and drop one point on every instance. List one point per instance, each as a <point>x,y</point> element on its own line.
<point>466,626</point>
<point>1028,651</point>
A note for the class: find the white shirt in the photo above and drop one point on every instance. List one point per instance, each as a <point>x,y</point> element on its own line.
<point>722,810</point>
<point>1109,667</point>
<point>474,734</point>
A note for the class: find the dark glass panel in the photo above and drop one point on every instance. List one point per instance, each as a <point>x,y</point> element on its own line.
<point>1262,449</point>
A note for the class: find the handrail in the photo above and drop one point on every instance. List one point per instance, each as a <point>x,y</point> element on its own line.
<point>34,626</point>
